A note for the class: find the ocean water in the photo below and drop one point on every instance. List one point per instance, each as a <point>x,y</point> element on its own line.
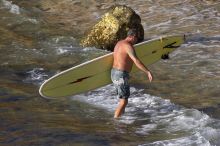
<point>179,108</point>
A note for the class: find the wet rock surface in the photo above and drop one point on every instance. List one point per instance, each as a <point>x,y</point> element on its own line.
<point>113,27</point>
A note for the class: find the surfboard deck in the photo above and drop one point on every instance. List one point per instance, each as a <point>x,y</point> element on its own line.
<point>96,73</point>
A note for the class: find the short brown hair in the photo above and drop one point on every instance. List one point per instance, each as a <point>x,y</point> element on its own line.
<point>132,32</point>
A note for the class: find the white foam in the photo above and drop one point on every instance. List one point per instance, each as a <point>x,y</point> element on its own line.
<point>157,114</point>
<point>211,134</point>
<point>193,140</point>
<point>12,7</point>
<point>36,76</point>
<point>187,120</point>
<point>145,129</point>
<point>61,50</point>
<point>89,49</point>
<point>34,21</point>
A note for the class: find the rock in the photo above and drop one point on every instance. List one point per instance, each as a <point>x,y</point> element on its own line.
<point>113,27</point>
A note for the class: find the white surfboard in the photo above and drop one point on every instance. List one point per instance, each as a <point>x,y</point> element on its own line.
<point>96,73</point>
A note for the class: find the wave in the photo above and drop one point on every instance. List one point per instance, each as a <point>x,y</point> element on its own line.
<point>153,114</point>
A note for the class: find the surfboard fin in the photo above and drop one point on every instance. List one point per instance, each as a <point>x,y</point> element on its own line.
<point>165,56</point>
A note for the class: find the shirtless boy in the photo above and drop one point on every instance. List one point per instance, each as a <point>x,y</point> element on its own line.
<point>124,58</point>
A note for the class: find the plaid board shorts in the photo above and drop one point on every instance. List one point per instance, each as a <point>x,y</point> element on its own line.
<point>120,80</point>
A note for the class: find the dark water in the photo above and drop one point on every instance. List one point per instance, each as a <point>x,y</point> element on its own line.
<point>180,108</point>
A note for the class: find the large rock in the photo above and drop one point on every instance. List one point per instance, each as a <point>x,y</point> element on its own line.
<point>113,27</point>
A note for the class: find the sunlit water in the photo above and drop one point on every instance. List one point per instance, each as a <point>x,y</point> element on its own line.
<point>179,108</point>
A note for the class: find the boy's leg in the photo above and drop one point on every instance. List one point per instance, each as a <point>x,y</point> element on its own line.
<point>121,108</point>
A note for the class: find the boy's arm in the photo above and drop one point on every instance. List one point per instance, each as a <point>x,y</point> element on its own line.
<point>132,54</point>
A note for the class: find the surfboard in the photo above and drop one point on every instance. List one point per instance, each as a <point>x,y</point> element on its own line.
<point>96,73</point>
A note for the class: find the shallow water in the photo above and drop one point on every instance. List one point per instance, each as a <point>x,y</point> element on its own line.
<point>180,107</point>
